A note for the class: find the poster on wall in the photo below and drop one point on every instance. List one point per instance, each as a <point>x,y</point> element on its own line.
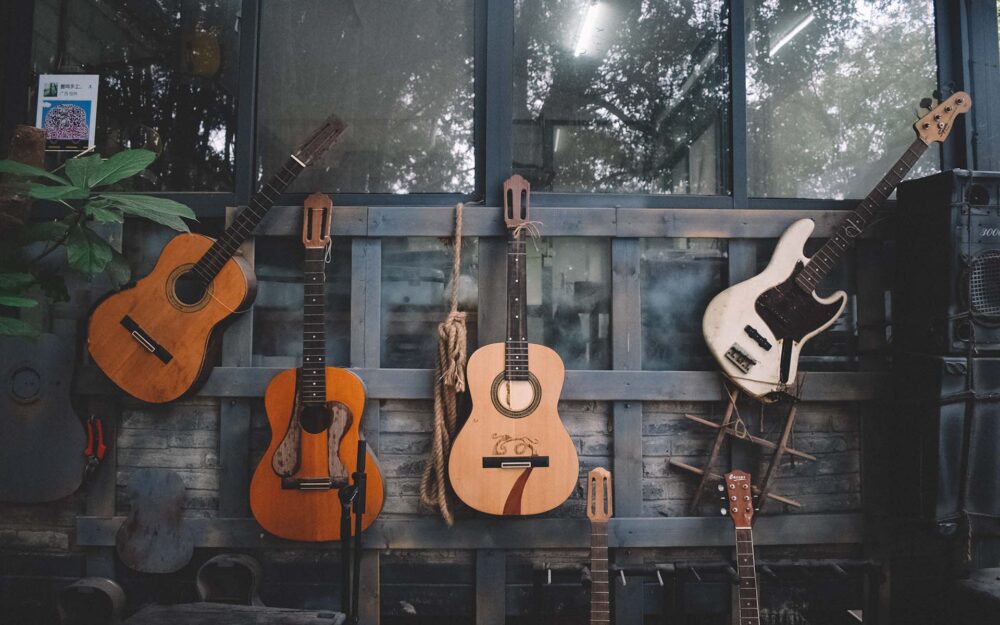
<point>67,111</point>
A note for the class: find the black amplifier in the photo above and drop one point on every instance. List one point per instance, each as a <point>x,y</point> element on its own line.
<point>946,296</point>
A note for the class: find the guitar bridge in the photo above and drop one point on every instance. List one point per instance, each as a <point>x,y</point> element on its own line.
<point>738,356</point>
<point>311,483</point>
<point>515,462</point>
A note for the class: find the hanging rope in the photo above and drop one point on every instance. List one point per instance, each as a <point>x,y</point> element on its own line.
<point>449,380</point>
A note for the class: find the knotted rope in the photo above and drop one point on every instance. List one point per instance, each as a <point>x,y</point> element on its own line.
<point>449,380</point>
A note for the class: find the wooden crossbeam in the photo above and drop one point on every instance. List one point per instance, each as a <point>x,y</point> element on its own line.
<point>750,437</point>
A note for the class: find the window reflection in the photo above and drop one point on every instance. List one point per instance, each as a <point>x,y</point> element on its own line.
<point>398,72</point>
<point>277,322</point>
<point>832,89</point>
<point>569,299</point>
<point>168,80</point>
<point>628,97</point>
<point>678,279</point>
<point>416,297</point>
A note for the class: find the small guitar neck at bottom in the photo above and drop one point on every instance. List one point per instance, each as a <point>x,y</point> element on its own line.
<point>747,566</point>
<point>600,604</point>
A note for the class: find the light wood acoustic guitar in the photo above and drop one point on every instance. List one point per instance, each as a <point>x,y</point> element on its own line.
<point>599,511</point>
<point>153,340</point>
<point>756,329</point>
<point>740,507</point>
<point>315,417</point>
<point>513,456</point>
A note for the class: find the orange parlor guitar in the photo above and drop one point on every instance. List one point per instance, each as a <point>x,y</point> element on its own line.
<point>513,456</point>
<point>740,507</point>
<point>315,417</point>
<point>153,339</point>
<point>599,511</point>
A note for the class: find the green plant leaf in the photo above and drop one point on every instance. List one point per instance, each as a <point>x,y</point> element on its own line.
<point>81,170</point>
<point>86,251</point>
<point>16,280</point>
<point>42,231</point>
<point>51,192</point>
<point>120,166</point>
<point>158,209</point>
<point>16,327</point>
<point>118,270</point>
<point>103,211</point>
<point>16,301</point>
<point>8,166</point>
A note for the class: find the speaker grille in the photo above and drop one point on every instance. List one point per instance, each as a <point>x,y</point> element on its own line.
<point>984,285</point>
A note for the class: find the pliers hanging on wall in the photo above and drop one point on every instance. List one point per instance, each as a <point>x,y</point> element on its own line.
<point>96,448</point>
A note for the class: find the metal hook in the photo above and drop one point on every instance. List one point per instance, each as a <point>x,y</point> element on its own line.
<point>622,573</point>
<point>659,577</point>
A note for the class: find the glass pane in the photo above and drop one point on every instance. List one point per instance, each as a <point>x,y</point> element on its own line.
<point>628,97</point>
<point>416,297</point>
<point>398,72</point>
<point>678,278</point>
<point>277,322</point>
<point>832,89</point>
<point>569,299</point>
<point>168,80</point>
<point>834,349</point>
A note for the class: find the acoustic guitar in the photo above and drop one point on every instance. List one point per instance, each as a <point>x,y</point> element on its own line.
<point>740,507</point>
<point>315,417</point>
<point>599,511</point>
<point>756,329</point>
<point>153,339</point>
<point>513,456</point>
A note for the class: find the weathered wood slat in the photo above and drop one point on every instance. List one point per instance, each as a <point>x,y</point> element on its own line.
<point>491,587</point>
<point>788,529</point>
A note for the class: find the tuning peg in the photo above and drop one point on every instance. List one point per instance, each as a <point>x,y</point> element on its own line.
<point>928,103</point>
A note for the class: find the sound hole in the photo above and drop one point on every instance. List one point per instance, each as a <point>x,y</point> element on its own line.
<point>315,418</point>
<point>189,288</point>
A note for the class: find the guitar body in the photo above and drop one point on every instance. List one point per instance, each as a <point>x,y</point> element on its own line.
<point>534,429</point>
<point>312,515</point>
<point>756,329</point>
<point>42,437</point>
<point>179,333</point>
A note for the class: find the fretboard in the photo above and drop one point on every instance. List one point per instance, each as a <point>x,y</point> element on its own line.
<point>313,379</point>
<point>211,263</point>
<point>749,611</point>
<point>600,605</point>
<point>850,229</point>
<point>516,345</point>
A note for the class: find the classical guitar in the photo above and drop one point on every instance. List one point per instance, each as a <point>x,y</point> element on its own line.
<point>153,339</point>
<point>739,505</point>
<point>513,456</point>
<point>315,417</point>
<point>43,456</point>
<point>599,511</point>
<point>756,329</point>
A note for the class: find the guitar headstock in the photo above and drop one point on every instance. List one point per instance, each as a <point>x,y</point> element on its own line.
<point>320,141</point>
<point>739,498</point>
<point>516,201</point>
<point>316,217</point>
<point>937,125</point>
<point>599,504</point>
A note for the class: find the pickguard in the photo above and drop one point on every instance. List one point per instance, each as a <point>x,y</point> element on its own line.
<point>791,313</point>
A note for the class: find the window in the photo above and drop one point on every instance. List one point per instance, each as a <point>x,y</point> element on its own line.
<point>398,72</point>
<point>832,90</point>
<point>621,97</point>
<point>416,297</point>
<point>168,81</point>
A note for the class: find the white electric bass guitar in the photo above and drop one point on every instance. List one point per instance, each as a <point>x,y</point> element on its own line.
<point>756,329</point>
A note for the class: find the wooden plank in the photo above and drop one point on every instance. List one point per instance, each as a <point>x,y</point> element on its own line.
<point>492,298</point>
<point>723,224</point>
<point>539,533</point>
<point>370,600</point>
<point>491,587</point>
<point>839,386</point>
<point>101,488</point>
<point>286,221</point>
<point>234,456</point>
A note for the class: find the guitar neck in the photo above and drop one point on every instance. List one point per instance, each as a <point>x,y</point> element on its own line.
<point>313,379</point>
<point>600,606</point>
<point>747,565</point>
<point>516,344</point>
<point>211,263</point>
<point>853,225</point>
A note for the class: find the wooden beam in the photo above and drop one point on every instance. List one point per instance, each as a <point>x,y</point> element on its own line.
<point>491,587</point>
<point>551,533</point>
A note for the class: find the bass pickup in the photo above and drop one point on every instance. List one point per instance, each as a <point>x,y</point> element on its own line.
<point>515,462</point>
